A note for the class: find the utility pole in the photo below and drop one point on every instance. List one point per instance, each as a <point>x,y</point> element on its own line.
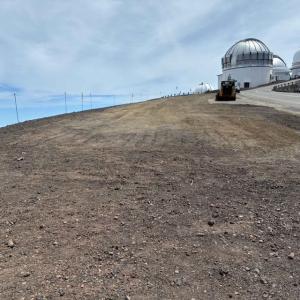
<point>17,113</point>
<point>66,109</point>
<point>82,102</point>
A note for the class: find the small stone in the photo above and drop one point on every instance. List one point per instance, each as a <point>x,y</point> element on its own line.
<point>291,255</point>
<point>211,222</point>
<point>55,243</point>
<point>200,234</point>
<point>127,298</point>
<point>263,280</point>
<point>178,282</point>
<point>20,158</point>
<point>215,215</point>
<point>223,271</point>
<point>61,292</point>
<point>265,295</point>
<point>247,269</point>
<point>176,271</point>
<point>10,243</point>
<point>25,274</point>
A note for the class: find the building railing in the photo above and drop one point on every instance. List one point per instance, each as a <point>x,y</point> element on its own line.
<point>288,87</point>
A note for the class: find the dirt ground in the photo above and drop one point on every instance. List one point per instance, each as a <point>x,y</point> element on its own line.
<point>169,199</point>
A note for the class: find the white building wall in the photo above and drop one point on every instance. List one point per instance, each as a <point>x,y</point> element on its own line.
<point>255,76</point>
<point>278,75</point>
<point>220,78</point>
<point>295,72</point>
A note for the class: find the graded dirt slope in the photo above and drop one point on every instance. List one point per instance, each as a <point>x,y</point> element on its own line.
<point>169,199</point>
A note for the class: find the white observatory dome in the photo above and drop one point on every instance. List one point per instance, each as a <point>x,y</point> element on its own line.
<point>247,52</point>
<point>249,62</point>
<point>278,62</point>
<point>296,58</point>
<point>296,65</point>
<point>280,71</point>
<point>203,88</point>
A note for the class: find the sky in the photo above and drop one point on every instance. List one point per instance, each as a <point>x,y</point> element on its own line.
<point>120,47</point>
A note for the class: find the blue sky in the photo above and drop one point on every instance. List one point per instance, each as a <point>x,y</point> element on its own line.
<point>130,46</point>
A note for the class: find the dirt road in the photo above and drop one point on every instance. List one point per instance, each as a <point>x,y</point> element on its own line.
<point>170,199</point>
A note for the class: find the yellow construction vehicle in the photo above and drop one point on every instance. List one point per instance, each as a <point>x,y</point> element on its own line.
<point>227,91</point>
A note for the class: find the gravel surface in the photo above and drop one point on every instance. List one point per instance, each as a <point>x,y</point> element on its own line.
<point>168,199</point>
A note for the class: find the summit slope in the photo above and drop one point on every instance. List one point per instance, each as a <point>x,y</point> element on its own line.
<point>167,199</point>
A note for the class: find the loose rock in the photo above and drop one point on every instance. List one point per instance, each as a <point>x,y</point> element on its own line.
<point>263,280</point>
<point>25,274</point>
<point>211,222</point>
<point>10,243</point>
<point>223,271</point>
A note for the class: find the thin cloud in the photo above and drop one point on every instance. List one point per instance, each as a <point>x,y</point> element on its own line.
<point>115,46</point>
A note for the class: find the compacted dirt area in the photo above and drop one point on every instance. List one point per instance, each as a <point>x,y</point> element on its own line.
<point>168,199</point>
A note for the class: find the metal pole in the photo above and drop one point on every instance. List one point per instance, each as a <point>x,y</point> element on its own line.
<point>17,113</point>
<point>82,102</point>
<point>66,109</point>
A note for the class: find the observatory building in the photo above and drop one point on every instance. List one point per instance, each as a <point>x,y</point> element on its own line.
<point>296,65</point>
<point>203,88</point>
<point>280,71</point>
<point>249,62</point>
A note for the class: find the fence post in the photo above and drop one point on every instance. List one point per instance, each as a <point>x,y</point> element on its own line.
<point>66,109</point>
<point>16,105</point>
